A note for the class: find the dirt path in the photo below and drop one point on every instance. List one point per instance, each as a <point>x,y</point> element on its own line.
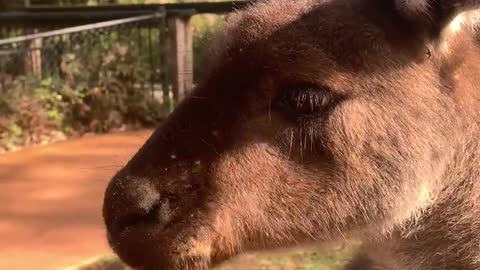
<point>51,197</point>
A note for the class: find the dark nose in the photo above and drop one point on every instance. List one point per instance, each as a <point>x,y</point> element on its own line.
<point>146,217</point>
<point>129,200</point>
<point>135,214</point>
<point>132,202</point>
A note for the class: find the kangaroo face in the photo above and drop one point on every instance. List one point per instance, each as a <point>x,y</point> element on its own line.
<point>316,120</point>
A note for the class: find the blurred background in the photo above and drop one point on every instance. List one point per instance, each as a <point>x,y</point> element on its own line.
<point>82,85</point>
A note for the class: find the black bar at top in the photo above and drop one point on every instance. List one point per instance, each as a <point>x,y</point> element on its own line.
<point>39,16</point>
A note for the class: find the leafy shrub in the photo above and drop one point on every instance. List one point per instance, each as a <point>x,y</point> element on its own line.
<point>93,92</point>
<point>93,84</point>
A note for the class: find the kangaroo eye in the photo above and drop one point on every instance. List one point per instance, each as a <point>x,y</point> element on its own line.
<point>306,100</point>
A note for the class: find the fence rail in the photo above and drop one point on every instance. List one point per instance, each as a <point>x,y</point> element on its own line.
<point>68,16</point>
<point>81,28</point>
<point>133,47</point>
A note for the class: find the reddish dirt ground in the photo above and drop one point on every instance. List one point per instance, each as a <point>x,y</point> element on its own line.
<point>51,198</point>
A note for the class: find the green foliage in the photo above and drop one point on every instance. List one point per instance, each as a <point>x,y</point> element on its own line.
<point>97,89</point>
<point>96,84</point>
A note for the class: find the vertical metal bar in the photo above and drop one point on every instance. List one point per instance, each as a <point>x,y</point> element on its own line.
<point>150,54</point>
<point>140,49</point>
<point>188,55</point>
<point>163,50</point>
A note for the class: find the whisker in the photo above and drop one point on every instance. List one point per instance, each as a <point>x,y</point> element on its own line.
<point>301,145</point>
<point>210,145</point>
<point>270,111</point>
<point>291,144</point>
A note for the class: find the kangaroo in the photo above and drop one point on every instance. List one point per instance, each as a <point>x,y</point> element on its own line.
<point>317,121</point>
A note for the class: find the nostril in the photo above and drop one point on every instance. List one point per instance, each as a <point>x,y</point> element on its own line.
<point>128,201</point>
<point>137,202</point>
<point>159,214</point>
<point>144,194</point>
<point>131,219</point>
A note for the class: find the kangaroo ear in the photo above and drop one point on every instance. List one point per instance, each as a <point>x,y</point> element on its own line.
<point>434,16</point>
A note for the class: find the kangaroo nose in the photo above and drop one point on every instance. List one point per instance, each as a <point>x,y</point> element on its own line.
<point>132,200</point>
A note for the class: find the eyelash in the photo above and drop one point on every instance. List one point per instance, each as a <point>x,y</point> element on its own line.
<point>306,101</point>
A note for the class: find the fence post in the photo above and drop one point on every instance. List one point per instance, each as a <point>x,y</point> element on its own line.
<point>33,56</point>
<point>181,54</point>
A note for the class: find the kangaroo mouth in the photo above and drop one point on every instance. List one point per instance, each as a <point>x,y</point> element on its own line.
<point>147,242</point>
<point>132,237</point>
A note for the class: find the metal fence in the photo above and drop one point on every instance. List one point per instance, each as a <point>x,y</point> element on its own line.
<point>68,71</point>
<point>131,51</point>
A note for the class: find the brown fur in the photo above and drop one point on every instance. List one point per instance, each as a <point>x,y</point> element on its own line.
<point>318,120</point>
